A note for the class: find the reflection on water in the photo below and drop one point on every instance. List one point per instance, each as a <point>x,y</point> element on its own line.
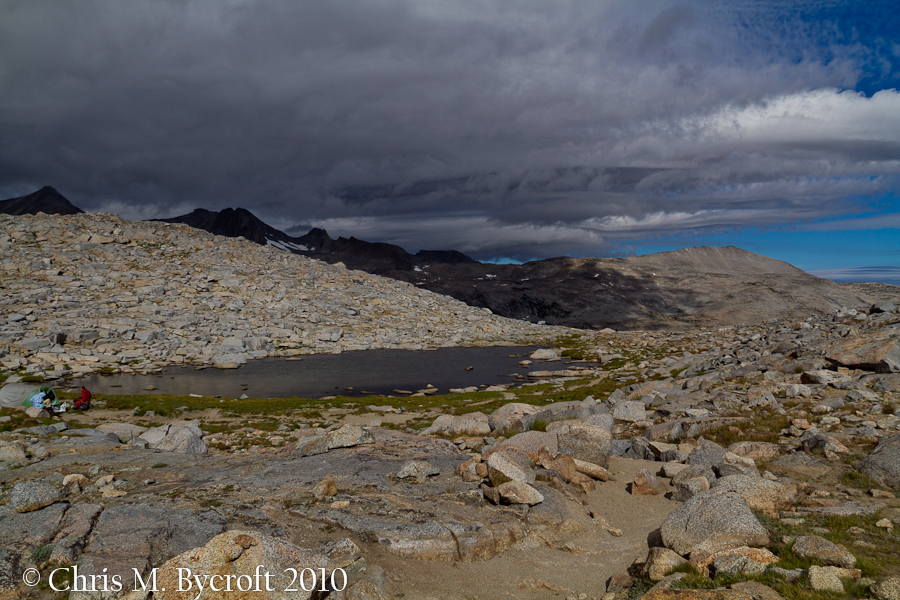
<point>366,371</point>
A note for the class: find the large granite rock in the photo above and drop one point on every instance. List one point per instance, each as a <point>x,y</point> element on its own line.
<point>713,516</point>
<point>688,488</point>
<point>182,438</point>
<point>533,441</point>
<point>770,497</point>
<point>311,445</point>
<point>707,453</point>
<point>660,562</point>
<point>584,442</point>
<point>883,464</point>
<point>508,464</point>
<point>878,351</point>
<point>240,553</point>
<point>758,451</point>
<point>823,579</point>
<point>32,495</point>
<point>475,424</point>
<point>502,419</point>
<point>348,436</point>
<point>418,469</point>
<point>11,452</point>
<point>519,492</point>
<point>822,551</point>
<point>630,411</point>
<point>124,431</point>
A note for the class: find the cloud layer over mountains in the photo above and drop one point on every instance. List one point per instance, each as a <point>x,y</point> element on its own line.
<point>498,128</point>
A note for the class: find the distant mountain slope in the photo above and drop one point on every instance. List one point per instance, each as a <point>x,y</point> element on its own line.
<point>46,200</point>
<point>708,286</point>
<point>231,222</point>
<point>681,288</point>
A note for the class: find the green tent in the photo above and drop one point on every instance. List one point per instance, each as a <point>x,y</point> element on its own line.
<point>18,395</point>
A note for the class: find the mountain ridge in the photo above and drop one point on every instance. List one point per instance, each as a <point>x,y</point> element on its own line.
<point>667,290</point>
<point>377,258</point>
<point>673,289</point>
<point>46,200</point>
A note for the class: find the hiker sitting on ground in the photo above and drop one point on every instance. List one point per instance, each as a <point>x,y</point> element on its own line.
<point>84,401</point>
<point>37,400</point>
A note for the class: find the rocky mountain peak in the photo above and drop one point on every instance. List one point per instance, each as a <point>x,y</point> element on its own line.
<point>46,200</point>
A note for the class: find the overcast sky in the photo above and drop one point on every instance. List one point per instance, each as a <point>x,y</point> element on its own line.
<point>501,128</point>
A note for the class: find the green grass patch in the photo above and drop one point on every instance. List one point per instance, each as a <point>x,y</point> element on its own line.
<point>539,425</point>
<point>879,558</point>
<point>18,419</point>
<point>856,479</point>
<point>760,426</point>
<point>41,554</point>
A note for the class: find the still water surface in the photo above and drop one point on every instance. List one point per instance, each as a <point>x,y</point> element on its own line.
<point>366,371</point>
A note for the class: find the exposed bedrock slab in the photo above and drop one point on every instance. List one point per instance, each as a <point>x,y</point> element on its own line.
<point>425,528</point>
<point>132,536</point>
<point>36,527</point>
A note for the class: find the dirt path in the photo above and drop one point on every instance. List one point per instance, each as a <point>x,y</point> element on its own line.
<point>535,571</point>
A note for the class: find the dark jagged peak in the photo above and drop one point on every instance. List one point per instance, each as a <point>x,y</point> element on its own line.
<point>446,256</point>
<point>315,240</point>
<point>231,222</point>
<point>46,200</point>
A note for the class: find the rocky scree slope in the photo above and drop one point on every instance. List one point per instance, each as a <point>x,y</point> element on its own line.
<point>94,292</point>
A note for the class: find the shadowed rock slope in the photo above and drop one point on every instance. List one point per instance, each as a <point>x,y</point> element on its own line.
<point>693,286</point>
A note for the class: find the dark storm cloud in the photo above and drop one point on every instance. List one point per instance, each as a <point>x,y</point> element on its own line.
<point>498,128</point>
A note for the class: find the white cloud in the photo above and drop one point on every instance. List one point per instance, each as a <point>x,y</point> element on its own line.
<point>889,275</point>
<point>810,116</point>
